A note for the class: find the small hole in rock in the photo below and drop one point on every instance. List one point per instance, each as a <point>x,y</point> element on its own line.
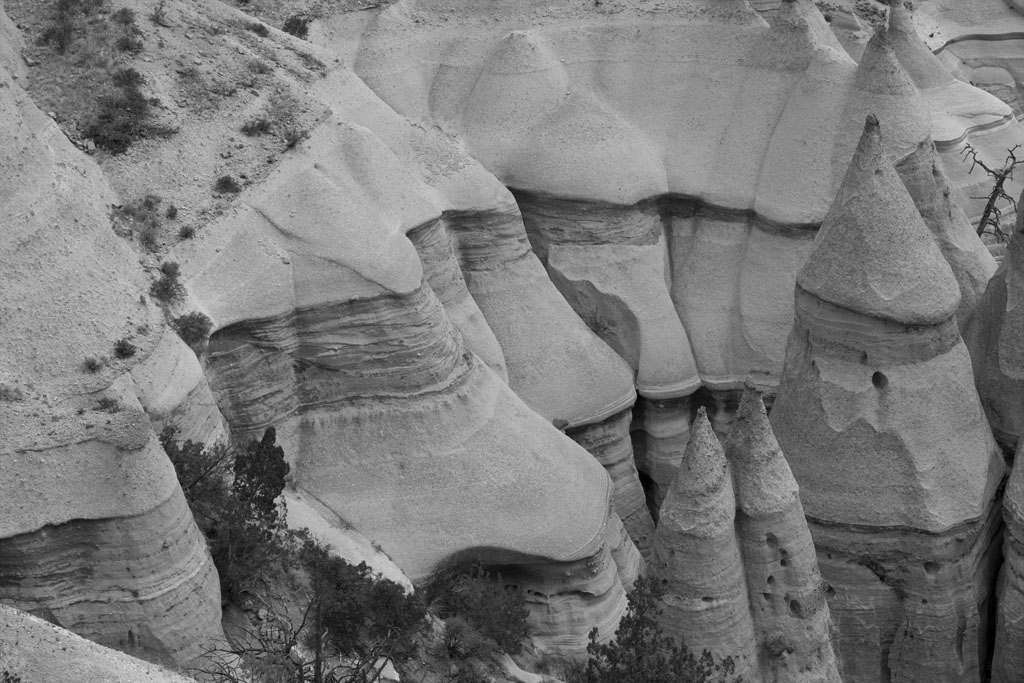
<point>879,380</point>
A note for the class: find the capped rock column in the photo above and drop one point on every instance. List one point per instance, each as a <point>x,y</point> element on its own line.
<point>787,598</point>
<point>878,416</point>
<point>698,560</point>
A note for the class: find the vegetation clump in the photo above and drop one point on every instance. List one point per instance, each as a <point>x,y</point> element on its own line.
<point>124,348</point>
<point>92,364</point>
<point>142,215</point>
<point>297,25</point>
<point>641,653</point>
<point>123,115</point>
<point>167,288</point>
<point>192,327</point>
<point>227,184</point>
<point>494,612</point>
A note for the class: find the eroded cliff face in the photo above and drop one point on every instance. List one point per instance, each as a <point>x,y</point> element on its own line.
<point>95,533</point>
<point>898,481</point>
<point>392,423</point>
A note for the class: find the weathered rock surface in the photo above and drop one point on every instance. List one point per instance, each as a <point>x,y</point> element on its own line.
<point>995,336</point>
<point>328,328</point>
<point>95,534</point>
<point>697,558</point>
<point>898,472</point>
<point>34,650</point>
<point>787,596</point>
<point>1008,655</point>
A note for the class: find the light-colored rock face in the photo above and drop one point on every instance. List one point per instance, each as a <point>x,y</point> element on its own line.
<point>697,557</point>
<point>95,534</point>
<point>34,650</point>
<point>392,424</point>
<point>787,595</point>
<point>898,472</point>
<point>1008,657</point>
<point>993,335</point>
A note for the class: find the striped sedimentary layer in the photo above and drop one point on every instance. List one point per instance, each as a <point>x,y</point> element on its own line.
<point>95,534</point>
<point>142,584</point>
<point>392,423</point>
<point>897,469</point>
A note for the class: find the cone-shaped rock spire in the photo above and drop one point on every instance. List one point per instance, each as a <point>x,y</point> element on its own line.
<point>791,616</point>
<point>882,87</point>
<point>920,63</point>
<point>874,254</point>
<point>698,559</point>
<point>879,419</point>
<point>968,257</point>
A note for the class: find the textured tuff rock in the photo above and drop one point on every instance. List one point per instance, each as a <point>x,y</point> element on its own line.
<point>897,471</point>
<point>698,560</point>
<point>968,257</point>
<point>95,534</point>
<point>787,596</point>
<point>479,247</point>
<point>34,650</point>
<point>961,113</point>
<point>1008,658</point>
<point>995,336</point>
<point>395,427</point>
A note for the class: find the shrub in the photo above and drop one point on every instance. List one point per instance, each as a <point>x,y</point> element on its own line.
<point>127,78</point>
<point>640,652</point>
<point>124,348</point>
<point>496,611</point>
<point>258,66</point>
<point>227,185</point>
<point>159,14</point>
<point>259,29</point>
<point>297,25</point>
<point>123,115</point>
<point>192,327</point>
<point>167,288</point>
<point>143,216</point>
<point>130,44</point>
<point>186,232</point>
<point>108,404</point>
<point>93,364</point>
<point>172,212</point>
<point>124,16</point>
<point>247,536</point>
<point>358,612</point>
<point>257,126</point>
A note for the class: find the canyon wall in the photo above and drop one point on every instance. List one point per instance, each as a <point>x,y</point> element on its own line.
<point>95,534</point>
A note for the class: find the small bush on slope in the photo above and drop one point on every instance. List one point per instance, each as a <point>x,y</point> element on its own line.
<point>497,612</point>
<point>193,327</point>
<point>641,653</point>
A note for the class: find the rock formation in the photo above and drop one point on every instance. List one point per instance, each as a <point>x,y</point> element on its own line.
<point>34,650</point>
<point>787,596</point>
<point>1008,655</point>
<point>697,558</point>
<point>897,471</point>
<point>961,113</point>
<point>994,336</point>
<point>347,342</point>
<point>95,534</point>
